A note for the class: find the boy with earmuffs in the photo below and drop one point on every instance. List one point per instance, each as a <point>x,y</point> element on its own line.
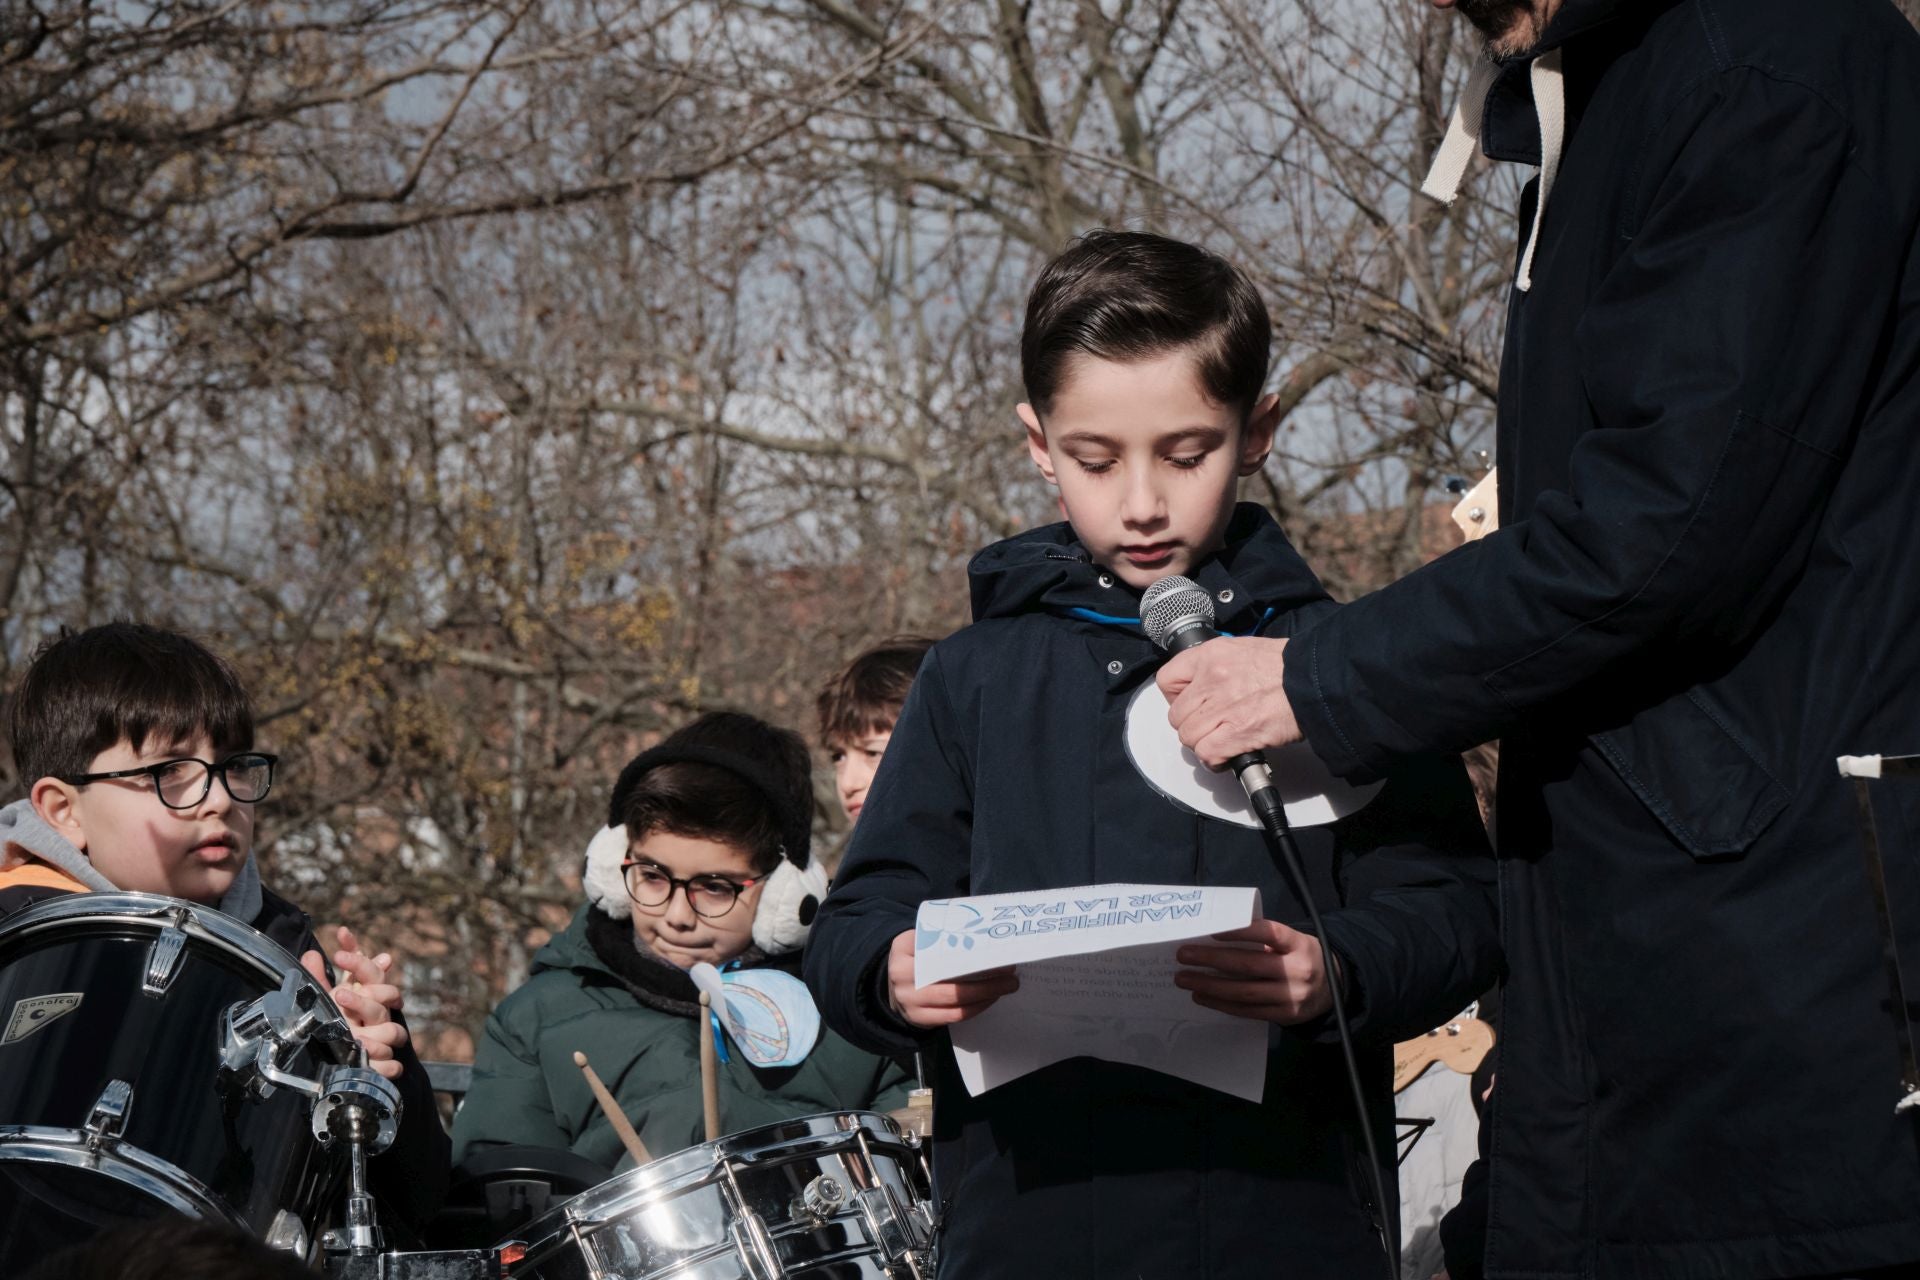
<point>706,858</point>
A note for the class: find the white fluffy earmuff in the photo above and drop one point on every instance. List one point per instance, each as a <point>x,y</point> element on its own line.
<point>605,884</point>
<point>788,905</point>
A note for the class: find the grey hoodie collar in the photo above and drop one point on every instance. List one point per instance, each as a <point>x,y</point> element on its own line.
<point>21,825</point>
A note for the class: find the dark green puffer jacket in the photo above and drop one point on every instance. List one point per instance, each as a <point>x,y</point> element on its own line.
<point>526,1088</point>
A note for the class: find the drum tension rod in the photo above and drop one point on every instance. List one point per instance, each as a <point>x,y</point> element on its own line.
<point>749,1230</point>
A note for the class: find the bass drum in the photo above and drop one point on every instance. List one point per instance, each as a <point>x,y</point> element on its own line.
<point>842,1196</point>
<point>116,1012</point>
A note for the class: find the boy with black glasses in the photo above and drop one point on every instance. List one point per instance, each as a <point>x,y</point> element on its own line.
<point>707,858</point>
<point>136,748</point>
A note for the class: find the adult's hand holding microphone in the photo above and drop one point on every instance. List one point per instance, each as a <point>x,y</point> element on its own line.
<point>1224,694</point>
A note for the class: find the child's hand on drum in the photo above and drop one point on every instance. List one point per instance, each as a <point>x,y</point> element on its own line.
<point>941,1004</point>
<point>1284,980</point>
<point>367,998</point>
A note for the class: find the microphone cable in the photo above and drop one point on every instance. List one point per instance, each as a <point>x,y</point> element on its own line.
<point>1272,810</point>
<point>1177,614</point>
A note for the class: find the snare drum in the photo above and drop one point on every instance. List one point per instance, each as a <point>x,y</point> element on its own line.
<point>828,1197</point>
<point>153,1057</point>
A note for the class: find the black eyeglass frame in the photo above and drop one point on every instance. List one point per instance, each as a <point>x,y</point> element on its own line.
<point>206,788</point>
<point>677,884</point>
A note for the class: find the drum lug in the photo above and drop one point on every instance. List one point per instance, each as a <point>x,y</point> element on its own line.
<point>755,1246</point>
<point>163,960</point>
<point>288,1234</point>
<point>902,1237</point>
<point>109,1115</point>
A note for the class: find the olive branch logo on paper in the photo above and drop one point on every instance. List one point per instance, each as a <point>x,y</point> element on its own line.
<point>943,919</point>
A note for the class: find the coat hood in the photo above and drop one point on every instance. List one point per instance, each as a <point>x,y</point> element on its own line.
<point>1255,575</point>
<point>23,827</point>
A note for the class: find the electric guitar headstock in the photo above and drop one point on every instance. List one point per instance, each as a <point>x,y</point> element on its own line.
<point>1478,511</point>
<point>1461,1044</point>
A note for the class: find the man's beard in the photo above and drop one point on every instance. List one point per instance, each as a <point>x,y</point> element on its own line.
<point>1500,21</point>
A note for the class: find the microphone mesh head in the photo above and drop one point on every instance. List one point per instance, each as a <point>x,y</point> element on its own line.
<point>1171,601</point>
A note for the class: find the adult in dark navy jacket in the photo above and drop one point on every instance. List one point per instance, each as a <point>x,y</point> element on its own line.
<point>1007,772</point>
<point>1703,590</point>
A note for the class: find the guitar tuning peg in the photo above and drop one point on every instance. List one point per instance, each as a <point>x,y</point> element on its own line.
<point>1455,485</point>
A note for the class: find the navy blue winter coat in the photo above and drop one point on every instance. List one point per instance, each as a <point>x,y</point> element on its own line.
<point>1007,772</point>
<point>1706,586</point>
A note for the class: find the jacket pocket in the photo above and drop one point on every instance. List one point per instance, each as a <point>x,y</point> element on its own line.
<point>1698,775</point>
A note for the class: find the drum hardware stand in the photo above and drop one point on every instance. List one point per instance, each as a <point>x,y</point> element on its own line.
<point>352,1104</point>
<point>257,1038</point>
<point>1861,769</point>
<point>287,1233</point>
<point>361,1108</point>
<point>917,1132</point>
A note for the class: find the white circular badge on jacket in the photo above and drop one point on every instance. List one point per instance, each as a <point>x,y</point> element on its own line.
<point>1313,796</point>
<point>767,1013</point>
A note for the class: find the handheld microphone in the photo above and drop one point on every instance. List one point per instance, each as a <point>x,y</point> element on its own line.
<point>1177,614</point>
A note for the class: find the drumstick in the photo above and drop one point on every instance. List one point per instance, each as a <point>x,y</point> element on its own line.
<point>611,1109</point>
<point>709,1070</point>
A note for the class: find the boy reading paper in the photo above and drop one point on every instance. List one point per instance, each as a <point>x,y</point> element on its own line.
<point>1144,361</point>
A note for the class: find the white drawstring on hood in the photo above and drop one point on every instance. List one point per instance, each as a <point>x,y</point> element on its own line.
<point>1457,149</point>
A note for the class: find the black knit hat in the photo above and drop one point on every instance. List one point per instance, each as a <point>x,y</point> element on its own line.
<point>794,812</point>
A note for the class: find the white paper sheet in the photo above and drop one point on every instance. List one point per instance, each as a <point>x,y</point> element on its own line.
<point>1096,970</point>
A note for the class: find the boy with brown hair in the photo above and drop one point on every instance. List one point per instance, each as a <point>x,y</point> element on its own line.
<point>1145,361</point>
<point>857,709</point>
